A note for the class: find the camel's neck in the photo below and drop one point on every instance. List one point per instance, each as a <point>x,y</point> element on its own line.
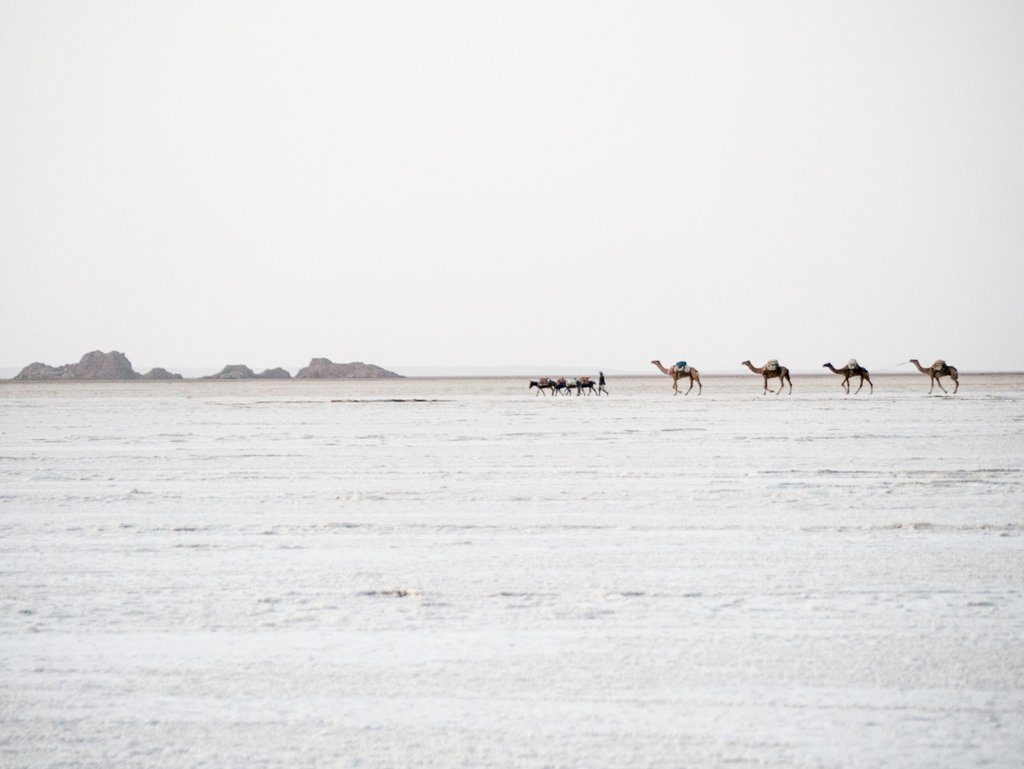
<point>920,368</point>
<point>833,368</point>
<point>661,368</point>
<point>753,368</point>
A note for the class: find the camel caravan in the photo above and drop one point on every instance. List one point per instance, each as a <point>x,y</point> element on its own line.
<point>582,384</point>
<point>774,370</point>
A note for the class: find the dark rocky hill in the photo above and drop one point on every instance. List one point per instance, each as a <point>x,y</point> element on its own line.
<point>160,373</point>
<point>322,368</point>
<point>94,366</point>
<point>275,373</point>
<point>233,371</point>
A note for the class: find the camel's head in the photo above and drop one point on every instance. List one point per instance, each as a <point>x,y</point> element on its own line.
<point>913,360</point>
<point>655,362</point>
<point>825,365</point>
<point>745,363</point>
<point>532,385</point>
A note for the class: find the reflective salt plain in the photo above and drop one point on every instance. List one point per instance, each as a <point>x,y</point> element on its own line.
<point>249,574</point>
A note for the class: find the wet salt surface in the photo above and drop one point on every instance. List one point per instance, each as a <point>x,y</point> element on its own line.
<point>249,574</point>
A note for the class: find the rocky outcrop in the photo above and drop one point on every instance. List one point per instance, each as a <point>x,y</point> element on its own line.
<point>275,373</point>
<point>38,372</point>
<point>322,368</point>
<point>236,371</point>
<point>160,373</point>
<point>94,366</point>
<point>114,366</point>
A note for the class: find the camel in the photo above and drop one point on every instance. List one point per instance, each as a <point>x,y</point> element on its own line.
<point>543,384</point>
<point>771,373</point>
<point>560,386</point>
<point>677,373</point>
<point>584,383</point>
<point>938,370</point>
<point>851,369</point>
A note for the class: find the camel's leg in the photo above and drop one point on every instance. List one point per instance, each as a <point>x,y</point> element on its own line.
<point>691,386</point>
<point>675,385</point>
<point>781,385</point>
<point>846,384</point>
<point>859,386</point>
<point>938,381</point>
<point>956,381</point>
<point>700,387</point>
<point>872,384</point>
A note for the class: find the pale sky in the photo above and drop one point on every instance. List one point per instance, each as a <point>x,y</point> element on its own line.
<point>433,184</point>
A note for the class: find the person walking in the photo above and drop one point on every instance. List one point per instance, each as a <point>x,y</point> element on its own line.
<point>600,384</point>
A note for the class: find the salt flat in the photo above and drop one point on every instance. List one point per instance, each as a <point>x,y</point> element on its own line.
<point>247,575</point>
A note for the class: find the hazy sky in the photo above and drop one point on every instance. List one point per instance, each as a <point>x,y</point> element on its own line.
<point>480,184</point>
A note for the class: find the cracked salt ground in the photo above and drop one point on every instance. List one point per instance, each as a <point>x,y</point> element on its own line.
<point>247,574</point>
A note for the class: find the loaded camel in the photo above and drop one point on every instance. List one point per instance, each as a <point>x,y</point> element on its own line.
<point>771,370</point>
<point>851,369</point>
<point>543,384</point>
<point>938,370</point>
<point>677,372</point>
<point>584,383</point>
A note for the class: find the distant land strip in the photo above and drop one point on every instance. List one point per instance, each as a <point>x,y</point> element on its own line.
<point>114,366</point>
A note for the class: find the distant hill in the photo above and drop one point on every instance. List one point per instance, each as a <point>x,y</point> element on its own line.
<point>239,371</point>
<point>275,373</point>
<point>234,371</point>
<point>160,373</point>
<point>94,366</point>
<point>114,366</point>
<point>323,368</point>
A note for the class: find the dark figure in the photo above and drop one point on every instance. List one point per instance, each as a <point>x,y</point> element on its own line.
<point>600,384</point>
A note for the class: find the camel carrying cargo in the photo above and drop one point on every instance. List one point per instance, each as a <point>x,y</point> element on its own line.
<point>678,371</point>
<point>852,369</point>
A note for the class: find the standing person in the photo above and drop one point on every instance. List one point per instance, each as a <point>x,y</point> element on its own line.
<point>600,384</point>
